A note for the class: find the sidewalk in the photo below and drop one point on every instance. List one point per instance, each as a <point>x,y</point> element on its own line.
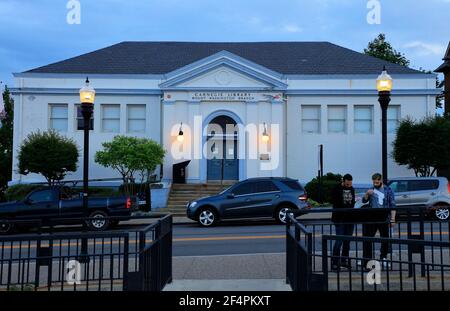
<point>253,272</point>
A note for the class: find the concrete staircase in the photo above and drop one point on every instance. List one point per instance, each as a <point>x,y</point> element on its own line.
<point>181,194</point>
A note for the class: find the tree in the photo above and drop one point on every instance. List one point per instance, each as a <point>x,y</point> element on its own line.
<point>130,156</point>
<point>49,154</point>
<point>439,85</point>
<point>423,146</point>
<point>329,181</point>
<point>6,141</point>
<point>380,48</point>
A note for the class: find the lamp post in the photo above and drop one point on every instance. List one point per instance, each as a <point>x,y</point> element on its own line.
<point>87,96</point>
<point>384,86</point>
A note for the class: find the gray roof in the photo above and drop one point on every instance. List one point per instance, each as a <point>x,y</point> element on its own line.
<point>309,58</point>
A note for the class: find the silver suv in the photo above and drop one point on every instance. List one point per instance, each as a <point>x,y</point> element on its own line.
<point>432,192</point>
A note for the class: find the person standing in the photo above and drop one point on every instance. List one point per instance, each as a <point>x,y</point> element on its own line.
<point>379,196</point>
<point>343,197</point>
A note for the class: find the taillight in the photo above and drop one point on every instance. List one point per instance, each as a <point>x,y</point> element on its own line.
<point>303,197</point>
<point>448,188</point>
<point>128,205</point>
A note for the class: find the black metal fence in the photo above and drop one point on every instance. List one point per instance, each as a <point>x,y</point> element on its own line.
<point>418,256</point>
<point>138,259</point>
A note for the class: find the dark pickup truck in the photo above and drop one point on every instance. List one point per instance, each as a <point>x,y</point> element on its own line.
<point>53,203</point>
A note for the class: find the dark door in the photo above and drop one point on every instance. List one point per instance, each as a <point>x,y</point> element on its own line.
<point>266,195</point>
<point>40,204</point>
<point>240,204</point>
<point>222,153</point>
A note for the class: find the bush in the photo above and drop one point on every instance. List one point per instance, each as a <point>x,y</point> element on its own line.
<point>49,154</point>
<point>329,181</point>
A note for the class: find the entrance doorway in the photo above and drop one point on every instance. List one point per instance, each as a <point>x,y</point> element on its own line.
<point>222,149</point>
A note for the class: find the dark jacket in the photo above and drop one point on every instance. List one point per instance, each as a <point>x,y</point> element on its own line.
<point>342,197</point>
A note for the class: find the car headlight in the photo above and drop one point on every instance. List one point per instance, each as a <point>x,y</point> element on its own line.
<point>193,204</point>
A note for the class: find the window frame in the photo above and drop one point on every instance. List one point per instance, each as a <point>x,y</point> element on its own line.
<point>136,119</point>
<point>344,107</point>
<point>80,120</point>
<point>51,118</point>
<point>102,117</point>
<point>355,120</point>
<point>319,120</point>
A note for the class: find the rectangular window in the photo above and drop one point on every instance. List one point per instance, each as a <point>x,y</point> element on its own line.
<point>337,119</point>
<point>363,119</point>
<point>393,119</point>
<point>59,117</point>
<point>111,118</point>
<point>79,119</point>
<point>136,118</point>
<point>311,119</point>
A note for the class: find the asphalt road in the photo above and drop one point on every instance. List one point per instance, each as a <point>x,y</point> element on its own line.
<point>257,237</point>
<point>229,239</point>
<point>244,237</point>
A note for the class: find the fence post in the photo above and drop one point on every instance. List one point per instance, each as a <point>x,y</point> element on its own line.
<point>155,260</point>
<point>325,262</point>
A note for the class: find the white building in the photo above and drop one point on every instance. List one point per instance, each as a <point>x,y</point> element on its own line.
<point>307,93</point>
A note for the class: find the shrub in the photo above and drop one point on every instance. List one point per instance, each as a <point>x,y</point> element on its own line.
<point>49,154</point>
<point>329,181</point>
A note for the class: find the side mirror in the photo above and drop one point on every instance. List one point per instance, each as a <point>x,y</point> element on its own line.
<point>28,201</point>
<point>230,195</point>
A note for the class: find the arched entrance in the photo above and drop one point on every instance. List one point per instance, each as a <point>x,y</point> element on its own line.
<point>222,149</point>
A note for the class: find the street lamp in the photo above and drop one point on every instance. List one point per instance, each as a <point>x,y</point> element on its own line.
<point>87,97</point>
<point>180,136</point>
<point>265,135</point>
<point>384,86</point>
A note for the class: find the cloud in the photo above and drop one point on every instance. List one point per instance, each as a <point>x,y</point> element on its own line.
<point>423,48</point>
<point>292,28</point>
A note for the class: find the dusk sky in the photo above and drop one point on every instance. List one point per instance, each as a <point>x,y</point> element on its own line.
<point>35,32</point>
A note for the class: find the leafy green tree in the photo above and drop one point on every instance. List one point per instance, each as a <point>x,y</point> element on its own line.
<point>130,156</point>
<point>423,146</point>
<point>380,48</point>
<point>6,141</point>
<point>329,181</point>
<point>49,154</point>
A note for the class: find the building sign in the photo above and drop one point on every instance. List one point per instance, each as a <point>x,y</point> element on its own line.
<point>222,96</point>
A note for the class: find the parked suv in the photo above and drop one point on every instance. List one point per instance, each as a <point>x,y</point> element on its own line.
<point>251,198</point>
<point>432,192</point>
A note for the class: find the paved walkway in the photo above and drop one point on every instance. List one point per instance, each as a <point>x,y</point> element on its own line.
<point>253,272</point>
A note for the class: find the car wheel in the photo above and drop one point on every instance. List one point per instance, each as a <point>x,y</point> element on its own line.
<point>442,212</point>
<point>5,227</point>
<point>282,214</point>
<point>207,217</point>
<point>99,221</point>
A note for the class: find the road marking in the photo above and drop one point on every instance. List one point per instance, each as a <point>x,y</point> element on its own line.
<point>230,238</point>
<point>221,238</point>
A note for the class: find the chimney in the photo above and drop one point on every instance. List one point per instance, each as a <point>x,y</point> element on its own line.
<point>445,69</point>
